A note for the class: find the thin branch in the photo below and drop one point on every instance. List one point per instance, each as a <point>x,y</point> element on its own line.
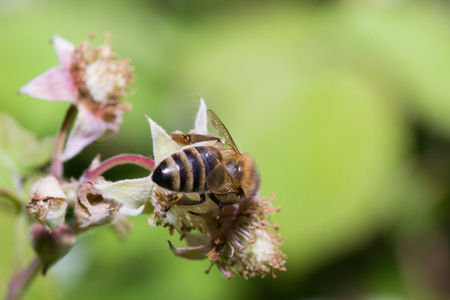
<point>20,282</point>
<point>57,166</point>
<point>121,159</point>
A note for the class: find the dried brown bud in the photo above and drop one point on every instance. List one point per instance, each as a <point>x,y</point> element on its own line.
<point>47,202</point>
<point>94,208</point>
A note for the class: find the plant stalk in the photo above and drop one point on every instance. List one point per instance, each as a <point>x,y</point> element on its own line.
<point>121,159</point>
<point>8,194</point>
<point>56,167</point>
<point>20,282</point>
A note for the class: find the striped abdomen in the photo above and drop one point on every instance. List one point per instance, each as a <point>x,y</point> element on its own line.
<point>186,170</point>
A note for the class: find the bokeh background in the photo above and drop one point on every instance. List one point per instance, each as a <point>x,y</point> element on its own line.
<point>345,106</point>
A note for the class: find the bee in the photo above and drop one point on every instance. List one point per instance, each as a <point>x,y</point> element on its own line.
<point>223,174</point>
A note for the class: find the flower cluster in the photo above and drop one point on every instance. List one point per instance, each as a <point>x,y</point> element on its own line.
<point>239,239</point>
<point>245,243</point>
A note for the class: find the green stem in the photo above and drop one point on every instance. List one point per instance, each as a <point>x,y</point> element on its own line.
<point>20,282</point>
<point>121,159</point>
<point>56,167</point>
<point>20,241</point>
<point>15,201</point>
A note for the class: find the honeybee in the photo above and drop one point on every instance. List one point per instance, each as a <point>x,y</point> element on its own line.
<point>223,174</point>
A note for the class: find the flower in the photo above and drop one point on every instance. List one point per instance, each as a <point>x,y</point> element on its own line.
<point>95,80</point>
<point>246,244</point>
<point>251,245</point>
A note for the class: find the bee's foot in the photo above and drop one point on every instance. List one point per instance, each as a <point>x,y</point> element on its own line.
<point>217,221</point>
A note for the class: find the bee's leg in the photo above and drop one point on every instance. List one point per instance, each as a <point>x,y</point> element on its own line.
<point>219,210</point>
<point>216,201</point>
<point>187,201</point>
<point>181,200</point>
<point>192,138</point>
<point>172,203</point>
<point>197,138</point>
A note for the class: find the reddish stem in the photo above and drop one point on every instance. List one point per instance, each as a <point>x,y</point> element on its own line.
<point>121,159</point>
<point>56,167</point>
<point>19,283</point>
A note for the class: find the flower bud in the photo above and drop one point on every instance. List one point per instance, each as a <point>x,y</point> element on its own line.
<point>94,208</point>
<point>51,246</point>
<point>47,202</point>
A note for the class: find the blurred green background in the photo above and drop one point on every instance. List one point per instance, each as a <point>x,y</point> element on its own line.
<point>345,106</point>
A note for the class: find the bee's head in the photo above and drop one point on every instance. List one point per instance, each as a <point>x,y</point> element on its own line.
<point>243,170</point>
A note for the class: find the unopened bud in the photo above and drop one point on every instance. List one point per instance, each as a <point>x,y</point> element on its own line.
<point>53,245</point>
<point>47,202</point>
<point>94,208</point>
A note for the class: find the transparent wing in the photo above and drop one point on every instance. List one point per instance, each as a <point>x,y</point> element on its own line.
<point>222,131</point>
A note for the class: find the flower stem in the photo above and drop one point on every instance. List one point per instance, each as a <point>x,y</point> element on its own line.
<point>19,282</point>
<point>56,167</point>
<point>121,159</point>
<point>8,194</point>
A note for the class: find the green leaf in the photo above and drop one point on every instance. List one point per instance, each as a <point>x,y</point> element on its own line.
<point>21,152</point>
<point>22,146</point>
<point>6,178</point>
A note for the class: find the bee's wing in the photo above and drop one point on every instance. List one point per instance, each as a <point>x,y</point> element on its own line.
<point>222,131</point>
<point>220,182</point>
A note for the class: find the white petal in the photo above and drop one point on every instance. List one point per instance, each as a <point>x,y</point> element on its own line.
<point>133,193</point>
<point>201,121</point>
<point>55,84</point>
<point>64,50</point>
<point>163,145</point>
<point>86,130</point>
<point>129,211</point>
<point>47,187</point>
